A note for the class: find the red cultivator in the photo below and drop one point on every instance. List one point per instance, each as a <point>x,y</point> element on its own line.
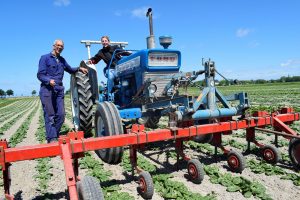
<point>72,146</point>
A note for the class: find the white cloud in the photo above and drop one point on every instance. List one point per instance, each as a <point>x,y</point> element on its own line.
<point>62,2</point>
<point>135,13</point>
<point>118,13</point>
<point>254,44</point>
<point>243,32</point>
<point>140,12</point>
<point>291,63</point>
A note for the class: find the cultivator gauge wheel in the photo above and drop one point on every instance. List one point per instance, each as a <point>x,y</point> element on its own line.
<point>107,123</point>
<point>236,161</point>
<point>145,188</point>
<point>89,189</point>
<point>82,103</point>
<point>195,171</point>
<point>294,152</point>
<point>270,154</point>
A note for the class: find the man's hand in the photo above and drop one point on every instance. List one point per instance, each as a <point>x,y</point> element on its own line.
<point>83,70</point>
<point>52,82</point>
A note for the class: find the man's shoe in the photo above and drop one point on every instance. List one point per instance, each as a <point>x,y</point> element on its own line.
<point>53,140</point>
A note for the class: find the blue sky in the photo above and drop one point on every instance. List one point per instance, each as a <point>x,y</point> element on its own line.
<point>248,39</point>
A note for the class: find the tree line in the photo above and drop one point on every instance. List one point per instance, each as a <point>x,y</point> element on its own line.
<point>282,79</point>
<point>9,92</point>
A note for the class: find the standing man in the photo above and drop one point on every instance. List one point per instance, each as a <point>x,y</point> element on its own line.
<point>50,73</point>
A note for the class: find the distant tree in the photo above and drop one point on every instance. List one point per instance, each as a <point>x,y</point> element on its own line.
<point>222,82</point>
<point>2,93</point>
<point>10,92</point>
<point>67,92</point>
<point>296,78</point>
<point>33,92</point>
<point>260,81</point>
<point>282,79</point>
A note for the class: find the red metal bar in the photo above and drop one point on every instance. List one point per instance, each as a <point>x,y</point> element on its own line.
<point>90,144</point>
<point>281,126</point>
<point>75,144</point>
<point>66,156</point>
<point>32,152</point>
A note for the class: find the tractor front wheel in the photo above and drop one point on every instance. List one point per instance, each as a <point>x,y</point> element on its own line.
<point>294,152</point>
<point>107,123</point>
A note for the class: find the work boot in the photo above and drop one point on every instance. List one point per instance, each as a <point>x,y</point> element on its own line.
<point>52,140</point>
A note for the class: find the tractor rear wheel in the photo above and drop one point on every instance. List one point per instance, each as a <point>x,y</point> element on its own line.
<point>82,103</point>
<point>89,189</point>
<point>107,123</point>
<point>294,152</point>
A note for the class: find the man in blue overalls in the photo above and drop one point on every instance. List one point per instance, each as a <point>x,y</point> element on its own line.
<point>50,73</point>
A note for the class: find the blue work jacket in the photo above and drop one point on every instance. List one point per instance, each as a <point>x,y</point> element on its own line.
<point>51,67</point>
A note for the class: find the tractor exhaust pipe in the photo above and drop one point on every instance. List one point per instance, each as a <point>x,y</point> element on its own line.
<point>151,38</point>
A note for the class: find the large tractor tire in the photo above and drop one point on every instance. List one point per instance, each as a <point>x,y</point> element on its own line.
<point>82,103</point>
<point>108,123</point>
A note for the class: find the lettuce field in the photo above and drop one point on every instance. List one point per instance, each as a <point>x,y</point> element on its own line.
<point>22,124</point>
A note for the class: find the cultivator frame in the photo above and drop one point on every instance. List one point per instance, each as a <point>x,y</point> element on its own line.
<point>73,145</point>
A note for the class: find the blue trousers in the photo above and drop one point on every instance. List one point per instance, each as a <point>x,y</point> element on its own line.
<point>110,75</point>
<point>52,99</point>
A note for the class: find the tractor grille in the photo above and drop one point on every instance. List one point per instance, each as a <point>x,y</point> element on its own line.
<point>161,81</point>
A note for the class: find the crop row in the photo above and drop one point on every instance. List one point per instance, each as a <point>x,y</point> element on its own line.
<point>43,164</point>
<point>22,104</point>
<point>255,166</point>
<point>6,102</point>
<point>163,183</point>
<point>20,134</point>
<point>95,168</point>
<point>13,120</point>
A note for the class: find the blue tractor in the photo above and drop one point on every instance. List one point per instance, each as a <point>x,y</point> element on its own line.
<point>147,88</point>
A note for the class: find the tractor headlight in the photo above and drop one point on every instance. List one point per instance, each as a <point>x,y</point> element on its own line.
<point>125,83</point>
<point>152,89</point>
